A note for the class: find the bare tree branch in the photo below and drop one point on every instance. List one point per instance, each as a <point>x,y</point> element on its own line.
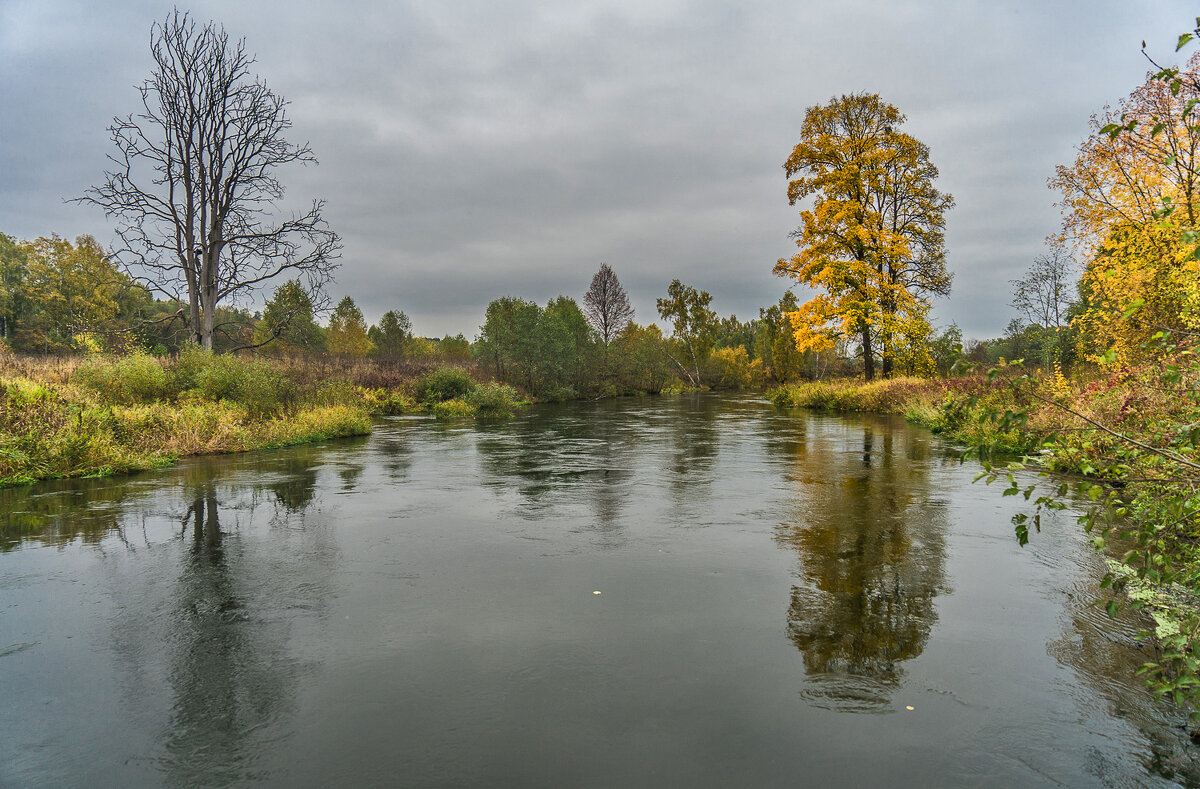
<point>193,186</point>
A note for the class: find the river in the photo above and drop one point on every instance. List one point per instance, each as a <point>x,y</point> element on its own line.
<point>678,591</point>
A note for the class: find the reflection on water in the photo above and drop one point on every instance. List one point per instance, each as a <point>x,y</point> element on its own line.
<point>418,608</point>
<point>872,555</point>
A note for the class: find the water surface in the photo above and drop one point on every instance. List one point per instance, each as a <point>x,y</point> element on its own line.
<point>419,608</point>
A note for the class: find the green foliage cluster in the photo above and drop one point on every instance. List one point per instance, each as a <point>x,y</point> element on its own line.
<point>453,409</point>
<point>444,383</point>
<point>142,379</point>
<point>494,400</point>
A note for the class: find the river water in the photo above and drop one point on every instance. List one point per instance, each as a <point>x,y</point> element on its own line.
<point>689,591</point>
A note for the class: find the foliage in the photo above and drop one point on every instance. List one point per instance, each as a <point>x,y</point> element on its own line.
<point>51,430</point>
<point>733,369</point>
<point>453,409</point>
<point>65,292</point>
<point>643,365</point>
<point>287,321</point>
<point>132,379</point>
<point>549,352</point>
<point>872,243</point>
<point>347,332</point>
<point>13,262</point>
<point>444,383</point>
<point>392,336</point>
<point>947,349</point>
<point>1131,202</point>
<point>695,328</point>
<point>494,400</point>
<point>456,348</point>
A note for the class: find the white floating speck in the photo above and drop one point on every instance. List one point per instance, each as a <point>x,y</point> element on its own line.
<point>596,592</point>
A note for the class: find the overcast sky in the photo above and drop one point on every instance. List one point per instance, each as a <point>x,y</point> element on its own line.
<point>470,150</point>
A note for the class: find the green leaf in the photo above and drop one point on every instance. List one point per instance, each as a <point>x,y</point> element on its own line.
<point>1112,608</point>
<point>1183,40</point>
<point>1132,308</point>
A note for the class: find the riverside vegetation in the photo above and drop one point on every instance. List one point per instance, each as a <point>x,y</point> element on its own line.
<point>102,415</point>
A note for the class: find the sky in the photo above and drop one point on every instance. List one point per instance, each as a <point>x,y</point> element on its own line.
<point>472,150</point>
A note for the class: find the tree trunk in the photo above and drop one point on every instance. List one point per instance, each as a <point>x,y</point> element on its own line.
<point>868,355</point>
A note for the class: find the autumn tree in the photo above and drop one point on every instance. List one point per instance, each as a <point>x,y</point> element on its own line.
<point>872,241</point>
<point>695,327</point>
<point>194,188</point>
<point>347,332</point>
<point>1131,201</point>
<point>606,305</point>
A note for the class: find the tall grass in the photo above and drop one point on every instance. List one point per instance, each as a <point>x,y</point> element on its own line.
<point>64,417</point>
<point>962,408</point>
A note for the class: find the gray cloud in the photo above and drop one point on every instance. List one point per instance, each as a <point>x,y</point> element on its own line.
<point>472,150</point>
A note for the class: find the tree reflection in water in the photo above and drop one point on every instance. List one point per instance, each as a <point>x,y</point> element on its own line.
<point>872,552</point>
<point>207,638</point>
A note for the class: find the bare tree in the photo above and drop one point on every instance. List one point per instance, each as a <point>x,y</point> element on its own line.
<point>606,305</point>
<point>194,190</point>
<point>1045,292</point>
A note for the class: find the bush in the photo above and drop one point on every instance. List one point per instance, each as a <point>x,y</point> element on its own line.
<point>251,382</point>
<point>444,383</point>
<point>453,409</point>
<point>137,378</point>
<point>494,400</point>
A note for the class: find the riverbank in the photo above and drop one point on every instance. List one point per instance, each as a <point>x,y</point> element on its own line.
<point>1122,441</point>
<point>99,416</point>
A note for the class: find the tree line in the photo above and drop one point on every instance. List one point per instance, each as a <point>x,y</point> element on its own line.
<point>194,196</point>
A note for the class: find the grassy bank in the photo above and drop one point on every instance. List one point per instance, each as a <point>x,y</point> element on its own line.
<point>96,416</point>
<point>960,408</point>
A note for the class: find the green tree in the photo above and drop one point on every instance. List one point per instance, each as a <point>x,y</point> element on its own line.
<point>13,265</point>
<point>775,340</point>
<point>69,297</point>
<point>564,348</point>
<point>545,351</point>
<point>643,364</point>
<point>392,336</point>
<point>347,333</point>
<point>287,322</point>
<point>506,345</point>
<point>695,327</point>
<point>947,349</point>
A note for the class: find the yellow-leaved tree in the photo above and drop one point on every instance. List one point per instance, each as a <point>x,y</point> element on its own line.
<point>872,240</point>
<point>1132,191</point>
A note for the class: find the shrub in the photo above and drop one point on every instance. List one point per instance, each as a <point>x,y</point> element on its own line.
<point>494,400</point>
<point>453,409</point>
<point>444,383</point>
<point>251,382</point>
<point>137,378</point>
